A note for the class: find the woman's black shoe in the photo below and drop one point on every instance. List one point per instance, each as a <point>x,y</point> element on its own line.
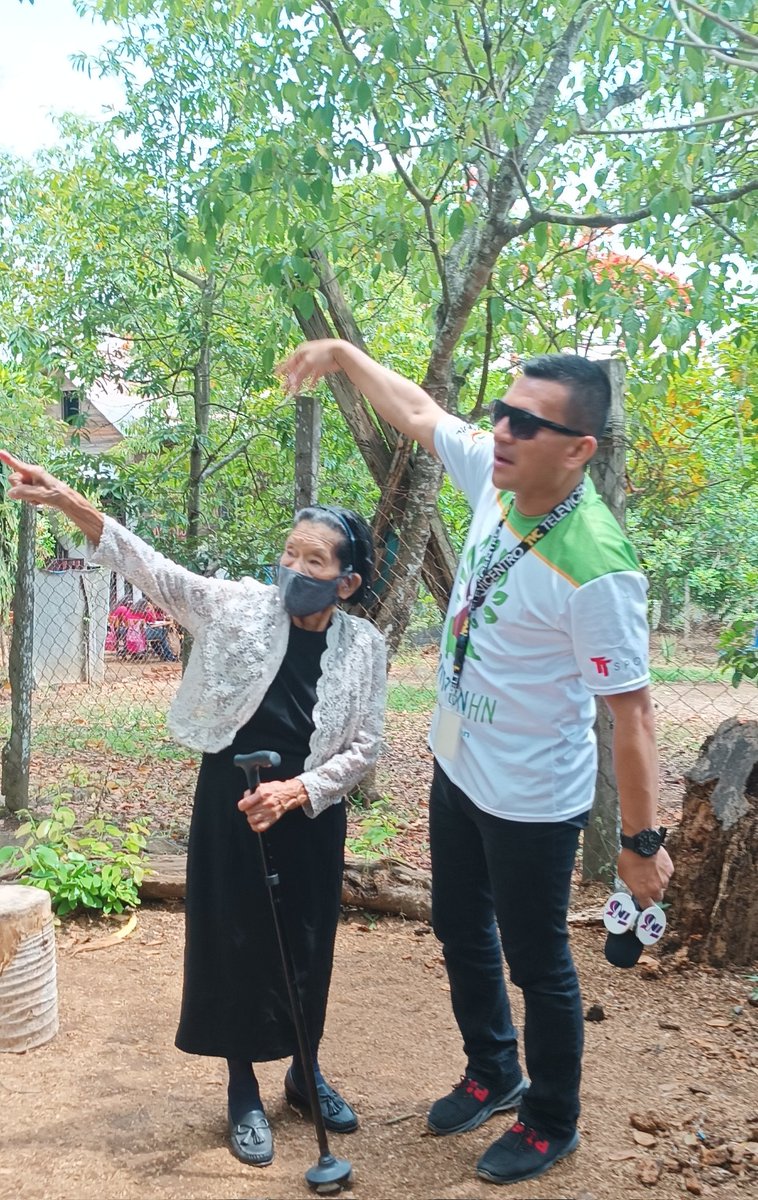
<point>251,1139</point>
<point>337,1113</point>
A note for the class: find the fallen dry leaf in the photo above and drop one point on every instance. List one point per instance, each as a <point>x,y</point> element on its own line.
<point>643,1139</point>
<point>718,1023</point>
<point>111,940</point>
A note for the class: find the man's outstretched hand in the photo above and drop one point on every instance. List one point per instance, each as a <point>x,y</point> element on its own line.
<point>309,363</point>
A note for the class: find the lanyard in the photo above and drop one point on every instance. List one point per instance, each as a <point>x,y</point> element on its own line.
<point>491,573</point>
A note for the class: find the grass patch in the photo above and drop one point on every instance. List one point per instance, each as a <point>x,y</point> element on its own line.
<point>687,675</point>
<point>133,731</point>
<point>407,698</point>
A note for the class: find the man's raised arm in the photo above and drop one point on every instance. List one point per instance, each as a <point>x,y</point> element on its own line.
<point>400,402</point>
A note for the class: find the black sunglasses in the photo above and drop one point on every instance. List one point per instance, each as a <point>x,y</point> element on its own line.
<point>525,425</point>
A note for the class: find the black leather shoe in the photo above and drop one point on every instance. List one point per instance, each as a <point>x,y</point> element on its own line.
<point>251,1139</point>
<point>337,1114</point>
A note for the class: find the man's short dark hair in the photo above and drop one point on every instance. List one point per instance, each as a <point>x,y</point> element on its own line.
<point>589,390</point>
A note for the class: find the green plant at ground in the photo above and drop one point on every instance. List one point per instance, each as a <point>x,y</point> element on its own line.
<point>375,830</point>
<point>99,866</point>
<point>738,648</point>
<point>408,697</point>
<point>686,675</point>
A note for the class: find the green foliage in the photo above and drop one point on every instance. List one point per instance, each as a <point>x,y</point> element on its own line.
<point>99,866</point>
<point>375,831</point>
<point>693,472</point>
<point>738,648</point>
<point>406,697</point>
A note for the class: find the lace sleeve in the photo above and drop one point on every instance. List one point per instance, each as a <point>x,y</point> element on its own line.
<point>329,782</point>
<point>185,596</point>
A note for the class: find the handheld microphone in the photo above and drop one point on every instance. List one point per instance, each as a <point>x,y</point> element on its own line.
<point>630,929</point>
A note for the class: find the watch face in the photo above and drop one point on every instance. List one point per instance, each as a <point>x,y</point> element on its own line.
<point>648,842</point>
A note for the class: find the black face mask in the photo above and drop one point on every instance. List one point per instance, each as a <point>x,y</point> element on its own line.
<point>302,595</point>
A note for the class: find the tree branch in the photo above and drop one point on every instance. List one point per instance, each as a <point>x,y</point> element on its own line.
<point>207,472</point>
<point>742,34</point>
<point>697,41</point>
<point>198,280</point>
<point>607,220</point>
<point>583,131</point>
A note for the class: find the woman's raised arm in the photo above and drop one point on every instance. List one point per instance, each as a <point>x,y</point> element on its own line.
<point>36,486</point>
<point>188,597</point>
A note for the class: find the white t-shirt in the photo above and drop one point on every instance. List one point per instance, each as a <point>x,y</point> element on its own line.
<point>568,623</point>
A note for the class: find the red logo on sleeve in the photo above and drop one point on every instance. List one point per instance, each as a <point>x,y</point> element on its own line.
<point>602,664</point>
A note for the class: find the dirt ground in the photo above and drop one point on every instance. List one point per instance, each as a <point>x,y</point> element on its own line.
<point>111,1111</point>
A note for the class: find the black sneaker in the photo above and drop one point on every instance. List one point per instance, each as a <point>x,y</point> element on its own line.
<point>523,1153</point>
<point>337,1113</point>
<point>470,1104</point>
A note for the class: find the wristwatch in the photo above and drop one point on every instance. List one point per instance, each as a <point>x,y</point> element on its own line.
<point>646,843</point>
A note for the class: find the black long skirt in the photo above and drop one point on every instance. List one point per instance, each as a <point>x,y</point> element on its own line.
<point>234,1002</point>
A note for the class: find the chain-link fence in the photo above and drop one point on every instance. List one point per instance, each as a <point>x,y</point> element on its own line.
<point>107,664</point>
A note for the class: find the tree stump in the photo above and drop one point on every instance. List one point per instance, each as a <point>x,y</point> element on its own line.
<point>28,992</point>
<point>713,897</point>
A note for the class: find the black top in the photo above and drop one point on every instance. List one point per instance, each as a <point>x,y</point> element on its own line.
<point>284,718</point>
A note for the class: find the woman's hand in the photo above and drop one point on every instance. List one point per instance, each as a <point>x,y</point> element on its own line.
<point>33,484</point>
<point>270,801</point>
<point>309,363</point>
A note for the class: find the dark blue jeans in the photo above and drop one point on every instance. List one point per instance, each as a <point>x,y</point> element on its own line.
<point>491,874</point>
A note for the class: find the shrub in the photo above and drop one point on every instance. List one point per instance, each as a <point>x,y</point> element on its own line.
<point>98,866</point>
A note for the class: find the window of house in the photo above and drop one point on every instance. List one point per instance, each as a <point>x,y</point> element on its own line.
<point>71,405</point>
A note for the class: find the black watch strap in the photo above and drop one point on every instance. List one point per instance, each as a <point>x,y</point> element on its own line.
<point>646,843</point>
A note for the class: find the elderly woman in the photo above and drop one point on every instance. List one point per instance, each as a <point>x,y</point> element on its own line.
<point>272,668</point>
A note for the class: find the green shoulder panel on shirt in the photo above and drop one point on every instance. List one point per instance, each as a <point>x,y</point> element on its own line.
<point>586,545</point>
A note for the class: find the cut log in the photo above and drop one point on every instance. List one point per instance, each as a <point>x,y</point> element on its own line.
<point>387,885</point>
<point>714,901</point>
<point>28,989</point>
<point>383,885</point>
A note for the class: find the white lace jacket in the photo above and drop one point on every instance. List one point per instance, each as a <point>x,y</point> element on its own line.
<point>240,633</point>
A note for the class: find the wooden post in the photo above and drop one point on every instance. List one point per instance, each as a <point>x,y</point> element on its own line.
<point>307,450</point>
<point>608,472</point>
<point>16,754</point>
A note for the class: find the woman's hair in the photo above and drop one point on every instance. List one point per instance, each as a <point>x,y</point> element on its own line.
<point>355,549</point>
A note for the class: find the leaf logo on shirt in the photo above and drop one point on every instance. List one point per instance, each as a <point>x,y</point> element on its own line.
<point>475,563</point>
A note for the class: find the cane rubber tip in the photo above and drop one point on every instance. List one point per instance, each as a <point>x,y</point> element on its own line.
<point>330,1175</point>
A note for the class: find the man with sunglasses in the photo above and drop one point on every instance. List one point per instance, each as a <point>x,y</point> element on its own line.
<point>548,611</point>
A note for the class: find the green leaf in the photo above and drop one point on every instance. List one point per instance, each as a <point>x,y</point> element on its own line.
<point>305,304</point>
<point>400,251</point>
<point>364,95</point>
<point>456,223</point>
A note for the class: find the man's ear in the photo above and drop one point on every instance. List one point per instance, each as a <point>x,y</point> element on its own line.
<point>348,585</point>
<point>582,451</point>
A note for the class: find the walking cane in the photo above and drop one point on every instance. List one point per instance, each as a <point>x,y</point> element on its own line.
<point>330,1174</point>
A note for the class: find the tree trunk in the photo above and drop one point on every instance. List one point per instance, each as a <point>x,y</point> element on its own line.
<point>388,450</point>
<point>201,391</point>
<point>608,470</point>
<point>17,750</point>
<point>714,901</point>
